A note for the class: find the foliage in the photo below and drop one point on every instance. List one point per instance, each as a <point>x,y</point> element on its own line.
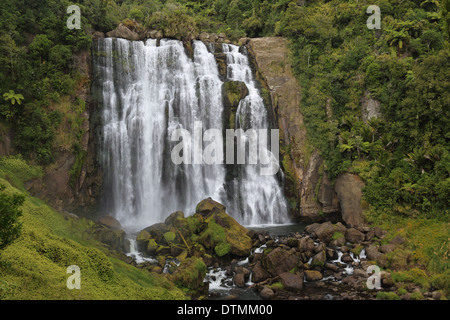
<point>10,226</point>
<point>34,266</point>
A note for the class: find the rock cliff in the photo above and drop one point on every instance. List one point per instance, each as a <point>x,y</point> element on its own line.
<point>307,186</point>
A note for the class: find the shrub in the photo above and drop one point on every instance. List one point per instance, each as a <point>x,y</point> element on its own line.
<point>10,226</point>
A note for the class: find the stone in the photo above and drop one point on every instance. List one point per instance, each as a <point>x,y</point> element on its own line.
<point>319,259</point>
<point>258,273</point>
<point>239,280</point>
<point>371,108</point>
<point>291,281</point>
<point>331,267</point>
<point>313,275</point>
<point>397,240</point>
<point>375,232</point>
<point>123,32</point>
<point>279,261</point>
<point>336,243</point>
<point>306,244</point>
<point>266,293</point>
<point>243,41</point>
<point>110,222</point>
<point>346,258</point>
<point>203,36</point>
<point>372,253</point>
<point>205,207</point>
<point>387,248</point>
<point>354,236</point>
<point>326,231</point>
<point>115,238</point>
<point>312,227</point>
<point>360,273</point>
<point>235,235</point>
<point>172,218</point>
<point>190,273</point>
<point>349,191</point>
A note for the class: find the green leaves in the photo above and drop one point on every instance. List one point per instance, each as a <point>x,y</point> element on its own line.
<point>13,97</point>
<point>10,227</point>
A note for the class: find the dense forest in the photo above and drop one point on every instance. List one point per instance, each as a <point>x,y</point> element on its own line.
<point>403,155</point>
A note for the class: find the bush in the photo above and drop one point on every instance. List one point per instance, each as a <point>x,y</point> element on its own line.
<point>10,226</point>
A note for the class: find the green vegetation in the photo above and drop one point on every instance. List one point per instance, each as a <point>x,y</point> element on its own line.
<point>34,265</point>
<point>400,72</point>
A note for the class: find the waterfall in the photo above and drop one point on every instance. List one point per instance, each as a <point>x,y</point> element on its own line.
<point>148,90</point>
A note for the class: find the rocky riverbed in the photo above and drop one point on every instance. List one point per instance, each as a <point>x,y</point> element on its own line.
<point>214,257</point>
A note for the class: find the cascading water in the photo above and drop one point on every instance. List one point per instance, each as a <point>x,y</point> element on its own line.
<point>262,200</point>
<point>148,90</point>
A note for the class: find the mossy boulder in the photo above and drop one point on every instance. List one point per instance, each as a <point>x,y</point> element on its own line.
<point>205,207</point>
<point>226,233</point>
<point>190,273</point>
<point>115,238</point>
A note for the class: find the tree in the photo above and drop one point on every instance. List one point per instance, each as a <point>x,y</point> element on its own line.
<point>10,227</point>
<point>13,97</point>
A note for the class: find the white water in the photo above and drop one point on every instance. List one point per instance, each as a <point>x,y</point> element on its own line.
<point>134,253</point>
<point>148,91</point>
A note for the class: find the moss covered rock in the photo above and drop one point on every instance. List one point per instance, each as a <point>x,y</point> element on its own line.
<point>221,230</point>
<point>190,273</point>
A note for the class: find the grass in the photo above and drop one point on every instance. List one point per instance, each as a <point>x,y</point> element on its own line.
<point>34,267</point>
<point>428,241</point>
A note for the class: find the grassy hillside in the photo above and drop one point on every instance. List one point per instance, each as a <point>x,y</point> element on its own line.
<point>34,266</point>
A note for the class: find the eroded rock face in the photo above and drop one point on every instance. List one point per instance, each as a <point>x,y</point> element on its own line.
<point>306,179</point>
<point>349,191</point>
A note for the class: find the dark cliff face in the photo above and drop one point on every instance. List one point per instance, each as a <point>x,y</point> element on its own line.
<point>73,181</point>
<point>307,186</point>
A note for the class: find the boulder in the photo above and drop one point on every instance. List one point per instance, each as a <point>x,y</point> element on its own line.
<point>306,244</point>
<point>387,248</point>
<point>266,293</point>
<point>258,273</point>
<point>190,273</point>
<point>312,227</point>
<point>244,41</point>
<point>326,231</point>
<point>313,275</point>
<point>203,36</point>
<point>375,232</point>
<point>354,236</point>
<point>110,222</point>
<point>372,253</point>
<point>319,259</point>
<point>123,32</point>
<point>279,261</point>
<point>205,207</point>
<point>291,281</point>
<point>349,191</point>
<point>223,233</point>
<point>398,240</point>
<point>115,238</point>
<point>239,280</point>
